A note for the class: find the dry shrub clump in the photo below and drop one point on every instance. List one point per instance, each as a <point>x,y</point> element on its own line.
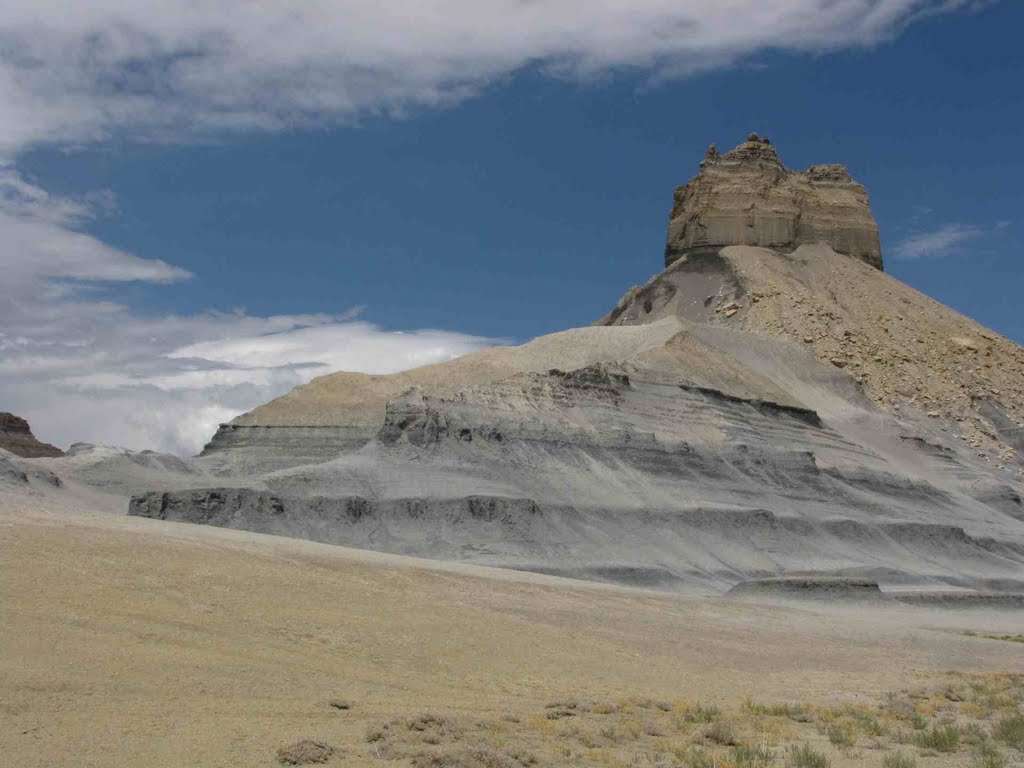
<point>1010,731</point>
<point>721,732</point>
<point>939,738</point>
<point>701,713</point>
<point>986,755</point>
<point>843,738</point>
<point>798,712</point>
<point>898,760</point>
<point>473,756</point>
<point>753,757</point>
<point>804,756</point>
<point>305,752</point>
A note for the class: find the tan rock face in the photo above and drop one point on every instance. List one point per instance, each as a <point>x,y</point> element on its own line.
<point>17,437</point>
<point>748,197</point>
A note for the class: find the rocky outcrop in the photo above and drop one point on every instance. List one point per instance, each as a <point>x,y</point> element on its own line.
<point>912,356</point>
<point>748,197</point>
<point>267,447</point>
<point>17,437</point>
<point>811,588</point>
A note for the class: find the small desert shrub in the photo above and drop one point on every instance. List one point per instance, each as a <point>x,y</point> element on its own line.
<point>902,707</point>
<point>753,757</point>
<point>941,739</point>
<point>698,758</point>
<point>378,732</point>
<point>805,757</point>
<point>973,734</point>
<point>647,760</point>
<point>987,756</point>
<point>840,737</point>
<point>522,756</point>
<point>721,732</point>
<point>592,740</point>
<point>701,713</point>
<point>559,713</point>
<point>305,752</point>
<point>564,704</point>
<point>652,729</point>
<point>898,704</point>
<point>903,737</point>
<point>474,756</point>
<point>1010,731</point>
<point>489,757</point>
<point>792,711</point>
<point>441,760</point>
<point>917,721</point>
<point>438,724</point>
<point>868,723</point>
<point>898,760</point>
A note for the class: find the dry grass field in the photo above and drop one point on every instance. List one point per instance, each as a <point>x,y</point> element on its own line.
<point>130,642</point>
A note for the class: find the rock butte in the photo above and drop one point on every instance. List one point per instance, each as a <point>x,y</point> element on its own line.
<point>748,197</point>
<point>771,404</point>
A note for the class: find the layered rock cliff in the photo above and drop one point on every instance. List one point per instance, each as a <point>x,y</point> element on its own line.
<point>748,197</point>
<point>17,437</point>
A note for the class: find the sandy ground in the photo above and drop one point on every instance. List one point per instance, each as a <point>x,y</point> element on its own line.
<point>133,642</point>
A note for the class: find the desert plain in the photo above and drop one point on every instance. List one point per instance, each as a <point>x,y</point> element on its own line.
<point>127,642</point>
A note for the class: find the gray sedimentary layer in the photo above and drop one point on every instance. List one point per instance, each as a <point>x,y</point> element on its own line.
<point>264,448</point>
<point>734,545</point>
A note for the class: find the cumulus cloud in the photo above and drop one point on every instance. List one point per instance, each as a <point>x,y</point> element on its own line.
<point>944,241</point>
<point>82,368</point>
<point>77,72</point>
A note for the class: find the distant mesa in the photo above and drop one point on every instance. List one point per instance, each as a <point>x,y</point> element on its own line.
<point>748,197</point>
<point>17,437</point>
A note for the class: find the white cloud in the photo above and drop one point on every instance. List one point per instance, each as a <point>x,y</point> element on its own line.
<point>39,240</point>
<point>944,241</point>
<point>83,369</point>
<point>77,72</point>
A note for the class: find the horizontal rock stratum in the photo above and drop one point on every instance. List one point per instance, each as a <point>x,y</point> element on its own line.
<point>748,197</point>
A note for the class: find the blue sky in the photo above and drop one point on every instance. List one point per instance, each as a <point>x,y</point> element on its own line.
<point>524,203</point>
